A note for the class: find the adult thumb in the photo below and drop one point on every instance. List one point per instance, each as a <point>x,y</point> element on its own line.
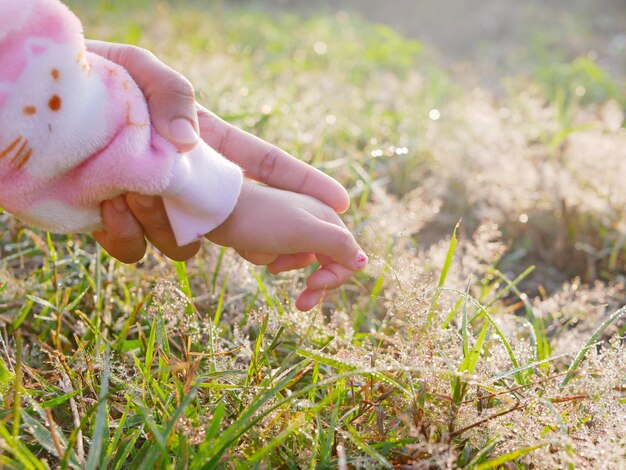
<point>170,96</point>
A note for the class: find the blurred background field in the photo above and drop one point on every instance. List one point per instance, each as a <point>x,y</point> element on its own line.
<point>498,36</point>
<point>500,344</point>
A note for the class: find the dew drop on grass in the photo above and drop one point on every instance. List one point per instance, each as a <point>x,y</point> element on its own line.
<point>320,48</point>
<point>434,114</point>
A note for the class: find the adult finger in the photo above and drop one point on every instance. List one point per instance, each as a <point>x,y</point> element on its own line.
<point>150,213</point>
<point>123,236</point>
<point>170,96</point>
<point>269,164</point>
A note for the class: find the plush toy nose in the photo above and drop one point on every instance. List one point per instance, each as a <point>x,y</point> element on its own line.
<point>54,103</point>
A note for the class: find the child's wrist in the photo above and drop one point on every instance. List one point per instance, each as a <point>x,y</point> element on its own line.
<point>223,233</point>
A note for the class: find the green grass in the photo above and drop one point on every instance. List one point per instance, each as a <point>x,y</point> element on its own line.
<point>481,346</point>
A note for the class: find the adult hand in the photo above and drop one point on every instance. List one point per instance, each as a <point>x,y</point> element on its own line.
<point>132,219</point>
<point>269,164</point>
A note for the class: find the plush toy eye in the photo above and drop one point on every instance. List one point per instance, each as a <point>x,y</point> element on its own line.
<point>55,103</point>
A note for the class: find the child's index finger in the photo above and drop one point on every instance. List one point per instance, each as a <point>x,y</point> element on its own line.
<point>337,243</point>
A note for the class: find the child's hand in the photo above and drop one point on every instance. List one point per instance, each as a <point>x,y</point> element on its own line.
<point>287,230</point>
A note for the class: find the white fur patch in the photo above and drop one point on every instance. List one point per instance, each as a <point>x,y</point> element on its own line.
<point>66,102</point>
<point>63,216</point>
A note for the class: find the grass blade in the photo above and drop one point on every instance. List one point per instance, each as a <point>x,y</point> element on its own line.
<point>469,363</point>
<point>210,454</point>
<point>185,286</point>
<point>97,440</point>
<point>116,436</point>
<point>483,453</point>
<point>497,329</point>
<point>444,274</point>
<point>42,434</point>
<point>20,451</point>
<point>508,457</point>
<point>590,342</point>
<point>155,452</point>
<point>270,446</point>
<point>358,440</point>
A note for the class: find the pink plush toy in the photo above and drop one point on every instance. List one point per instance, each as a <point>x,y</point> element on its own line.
<point>75,131</point>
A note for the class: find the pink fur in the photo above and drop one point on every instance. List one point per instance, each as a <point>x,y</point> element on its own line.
<point>52,20</point>
<point>75,130</point>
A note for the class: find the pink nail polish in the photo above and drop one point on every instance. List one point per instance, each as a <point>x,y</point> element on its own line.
<point>361,260</point>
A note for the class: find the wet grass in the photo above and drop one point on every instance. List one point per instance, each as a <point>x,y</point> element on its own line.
<point>497,343</point>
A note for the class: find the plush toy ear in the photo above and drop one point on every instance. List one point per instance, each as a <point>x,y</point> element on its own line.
<point>13,16</point>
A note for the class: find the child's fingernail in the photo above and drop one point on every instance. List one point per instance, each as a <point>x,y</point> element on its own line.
<point>361,260</point>
<point>119,203</point>
<point>145,202</point>
<point>182,131</point>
